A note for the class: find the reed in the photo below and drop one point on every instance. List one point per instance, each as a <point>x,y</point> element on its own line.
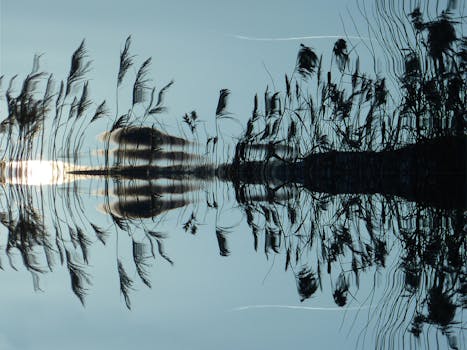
<point>349,110</point>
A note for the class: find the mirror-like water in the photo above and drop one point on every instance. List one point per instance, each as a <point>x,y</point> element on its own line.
<point>192,255</point>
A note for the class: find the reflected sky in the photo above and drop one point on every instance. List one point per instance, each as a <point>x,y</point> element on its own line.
<point>244,290</point>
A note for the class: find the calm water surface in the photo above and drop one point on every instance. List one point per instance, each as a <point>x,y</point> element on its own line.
<point>301,269</point>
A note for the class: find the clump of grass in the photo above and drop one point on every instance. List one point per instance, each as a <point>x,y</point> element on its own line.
<point>345,109</point>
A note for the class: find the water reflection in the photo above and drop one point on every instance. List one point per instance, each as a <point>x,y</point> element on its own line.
<point>37,172</point>
<point>147,200</point>
<point>330,244</point>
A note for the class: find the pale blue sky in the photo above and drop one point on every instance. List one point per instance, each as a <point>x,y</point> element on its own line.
<point>191,42</point>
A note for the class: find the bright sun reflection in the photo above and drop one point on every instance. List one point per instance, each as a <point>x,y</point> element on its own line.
<point>36,172</point>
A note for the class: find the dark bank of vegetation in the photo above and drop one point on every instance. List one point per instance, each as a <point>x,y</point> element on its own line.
<point>432,172</point>
<point>350,133</point>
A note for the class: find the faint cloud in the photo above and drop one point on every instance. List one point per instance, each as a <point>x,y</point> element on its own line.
<point>251,38</point>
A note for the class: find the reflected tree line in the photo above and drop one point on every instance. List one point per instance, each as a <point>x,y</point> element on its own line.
<point>340,238</point>
<point>331,243</point>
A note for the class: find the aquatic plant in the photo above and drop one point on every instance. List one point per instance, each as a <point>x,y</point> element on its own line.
<point>349,110</point>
